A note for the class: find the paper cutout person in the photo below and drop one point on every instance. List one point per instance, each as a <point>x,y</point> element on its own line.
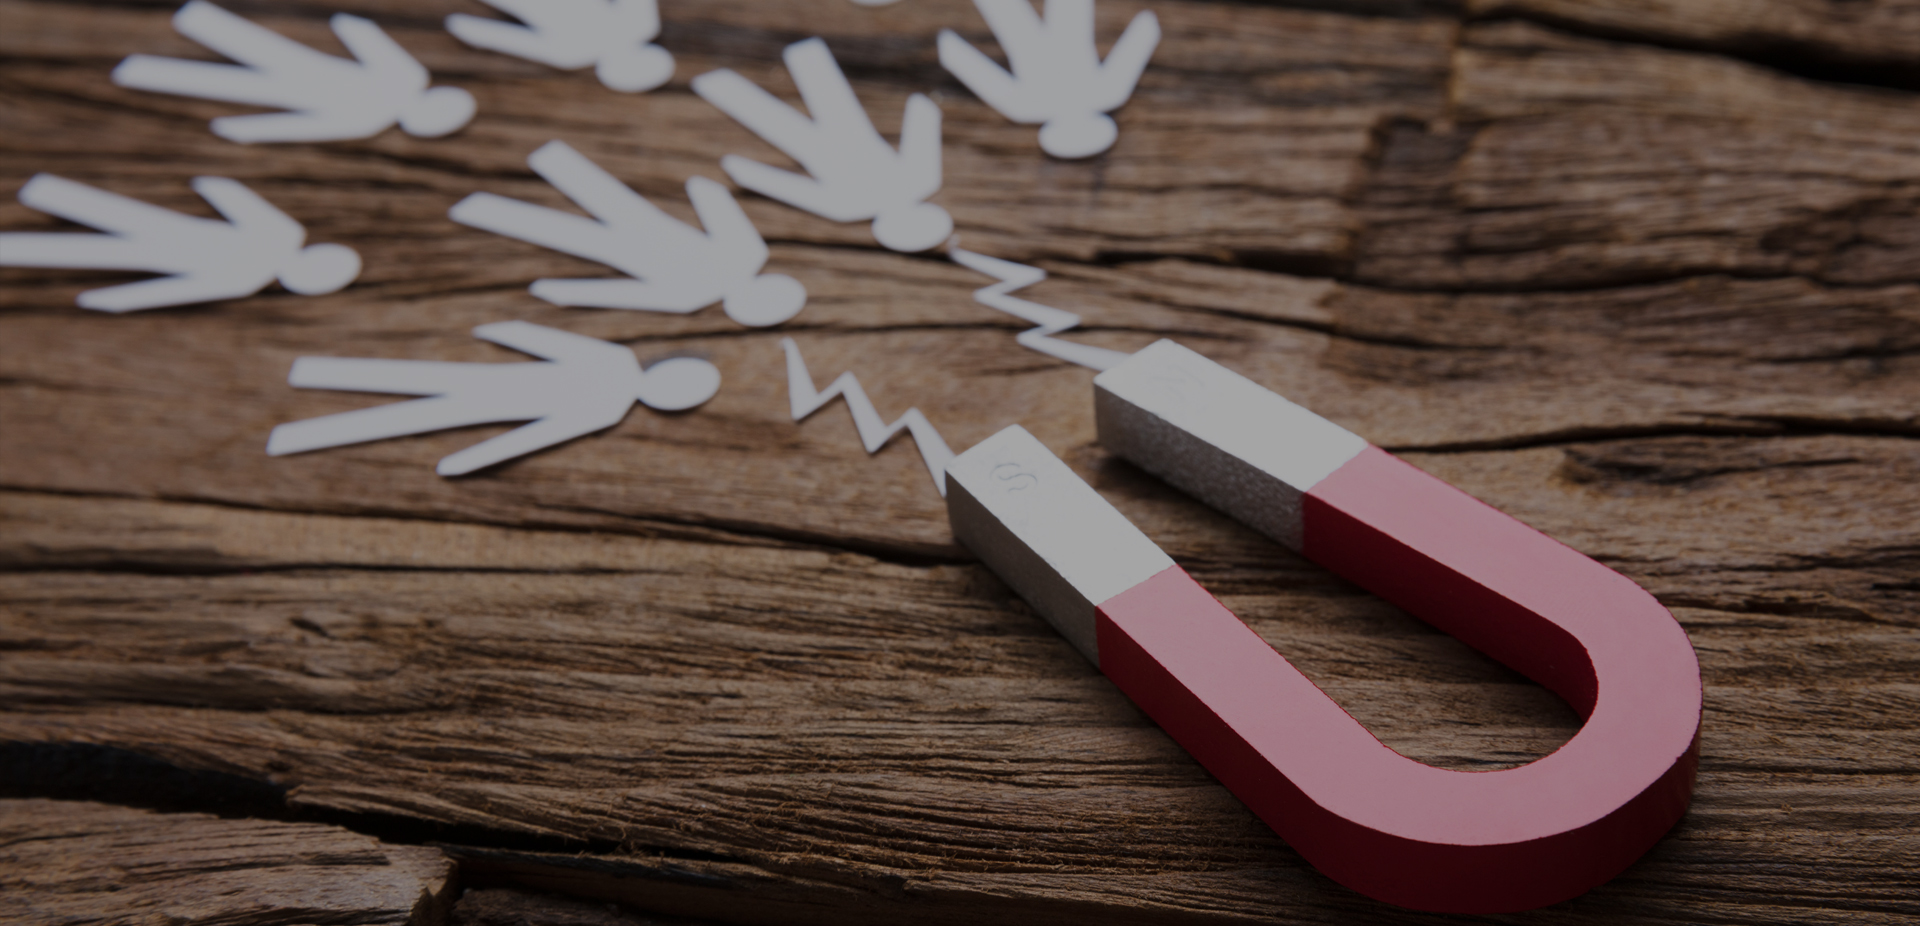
<point>676,268</point>
<point>804,400</point>
<point>1051,321</point>
<point>856,175</point>
<point>203,259</point>
<point>585,385</point>
<point>1058,79</point>
<point>612,35</point>
<point>327,98</point>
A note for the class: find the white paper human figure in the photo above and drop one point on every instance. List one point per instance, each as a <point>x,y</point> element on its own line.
<point>1051,321</point>
<point>1058,79</point>
<point>326,98</point>
<point>614,36</point>
<point>856,175</point>
<point>584,385</point>
<point>874,433</point>
<point>674,267</point>
<point>203,259</point>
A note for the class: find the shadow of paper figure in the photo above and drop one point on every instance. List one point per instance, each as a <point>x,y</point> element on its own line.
<point>854,174</point>
<point>612,36</point>
<point>326,98</point>
<point>674,267</point>
<point>203,259</point>
<point>584,385</point>
<point>1058,79</point>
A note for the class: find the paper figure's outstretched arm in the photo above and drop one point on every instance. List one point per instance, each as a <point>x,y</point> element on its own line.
<point>381,55</point>
<point>512,38</point>
<point>920,147</point>
<point>988,80</point>
<point>538,435</point>
<point>800,192</point>
<point>1127,60</point>
<point>248,211</point>
<point>761,112</point>
<point>726,223</point>
<point>553,344</point>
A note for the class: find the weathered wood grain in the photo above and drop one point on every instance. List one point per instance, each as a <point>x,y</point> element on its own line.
<point>75,862</point>
<point>499,906</point>
<point>1658,303</point>
<point>1856,33</point>
<point>1573,162</point>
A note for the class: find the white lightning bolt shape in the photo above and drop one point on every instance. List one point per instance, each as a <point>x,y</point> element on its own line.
<point>1051,321</point>
<point>866,419</point>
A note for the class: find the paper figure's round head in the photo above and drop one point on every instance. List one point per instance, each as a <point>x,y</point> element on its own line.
<point>767,299</point>
<point>678,383</point>
<point>912,228</point>
<point>635,69</point>
<point>319,269</point>
<point>437,112</point>
<point>1081,136</point>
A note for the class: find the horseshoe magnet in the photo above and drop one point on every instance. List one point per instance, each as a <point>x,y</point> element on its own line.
<point>1376,821</point>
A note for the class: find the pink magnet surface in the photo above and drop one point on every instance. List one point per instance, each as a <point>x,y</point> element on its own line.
<point>1383,824</point>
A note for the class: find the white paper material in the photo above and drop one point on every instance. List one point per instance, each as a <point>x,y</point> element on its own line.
<point>1058,79</point>
<point>585,385</point>
<point>203,259</point>
<point>856,175</point>
<point>327,98</point>
<point>613,36</point>
<point>874,434</point>
<point>1051,321</point>
<point>672,267</point>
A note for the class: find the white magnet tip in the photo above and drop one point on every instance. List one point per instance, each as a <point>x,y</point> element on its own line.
<point>1046,533</point>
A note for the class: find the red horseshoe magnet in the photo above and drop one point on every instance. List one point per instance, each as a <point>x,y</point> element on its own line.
<point>1372,819</point>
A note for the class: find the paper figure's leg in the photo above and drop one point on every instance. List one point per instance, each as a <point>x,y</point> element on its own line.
<point>1127,60</point>
<point>202,79</point>
<point>519,442</point>
<point>509,39</point>
<point>78,202</point>
<point>165,291</point>
<point>419,416</point>
<point>988,81</point>
<point>240,38</point>
<point>76,250</point>
<point>761,112</point>
<point>623,294</point>
<point>394,377</point>
<point>548,228</point>
<point>800,192</point>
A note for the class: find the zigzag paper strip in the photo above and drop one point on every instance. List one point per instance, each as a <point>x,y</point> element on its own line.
<point>866,419</point>
<point>1051,321</point>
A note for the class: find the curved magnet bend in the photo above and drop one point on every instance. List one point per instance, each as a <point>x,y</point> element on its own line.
<point>1372,819</point>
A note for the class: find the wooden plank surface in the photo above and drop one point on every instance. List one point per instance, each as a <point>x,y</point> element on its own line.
<point>1661,302</point>
<point>83,862</point>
